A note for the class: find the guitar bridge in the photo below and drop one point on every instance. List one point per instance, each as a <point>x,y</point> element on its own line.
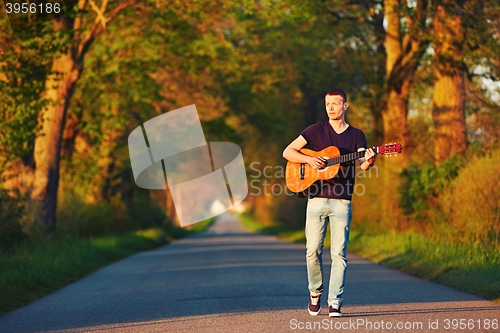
<point>302,168</point>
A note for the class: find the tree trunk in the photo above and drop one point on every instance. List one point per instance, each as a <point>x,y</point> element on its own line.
<point>394,117</point>
<point>403,53</point>
<point>448,100</point>
<point>59,89</point>
<point>395,130</point>
<point>448,113</point>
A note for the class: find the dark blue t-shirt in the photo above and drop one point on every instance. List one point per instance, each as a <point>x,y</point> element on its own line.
<point>319,136</point>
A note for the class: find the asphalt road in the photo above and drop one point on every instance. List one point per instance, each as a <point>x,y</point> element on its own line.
<point>230,280</point>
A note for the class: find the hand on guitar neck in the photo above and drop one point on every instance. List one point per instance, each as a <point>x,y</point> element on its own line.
<point>368,160</point>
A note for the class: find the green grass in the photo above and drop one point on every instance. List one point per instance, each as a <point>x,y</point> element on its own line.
<point>34,268</point>
<point>473,270</point>
<point>286,233</point>
<point>201,226</point>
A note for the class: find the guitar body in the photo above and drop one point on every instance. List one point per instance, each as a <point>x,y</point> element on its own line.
<point>299,176</point>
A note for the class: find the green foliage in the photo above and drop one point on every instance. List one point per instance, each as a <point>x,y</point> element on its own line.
<point>257,72</point>
<point>457,201</point>
<point>76,217</point>
<point>11,214</point>
<point>25,60</point>
<point>422,186</point>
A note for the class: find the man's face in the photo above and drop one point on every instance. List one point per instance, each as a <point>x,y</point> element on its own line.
<point>335,107</point>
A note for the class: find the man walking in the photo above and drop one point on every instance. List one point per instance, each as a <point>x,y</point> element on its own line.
<point>332,204</point>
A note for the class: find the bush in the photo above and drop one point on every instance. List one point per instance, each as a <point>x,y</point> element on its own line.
<point>472,202</point>
<point>145,213</point>
<point>422,186</point>
<point>11,213</point>
<point>76,217</point>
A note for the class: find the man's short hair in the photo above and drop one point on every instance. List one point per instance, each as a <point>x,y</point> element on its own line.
<point>337,92</point>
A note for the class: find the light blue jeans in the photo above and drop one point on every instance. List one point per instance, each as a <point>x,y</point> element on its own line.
<point>320,212</point>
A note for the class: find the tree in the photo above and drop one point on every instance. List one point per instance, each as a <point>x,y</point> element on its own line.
<point>149,63</point>
<point>360,45</point>
<point>81,30</point>
<point>220,57</point>
<point>448,109</point>
<point>466,46</point>
<point>24,66</point>
<point>396,48</point>
<point>388,55</point>
<point>405,44</point>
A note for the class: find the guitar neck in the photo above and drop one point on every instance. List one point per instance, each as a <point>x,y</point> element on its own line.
<point>348,157</point>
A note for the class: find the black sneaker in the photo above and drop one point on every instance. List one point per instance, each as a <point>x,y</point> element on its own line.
<point>314,306</point>
<point>334,311</point>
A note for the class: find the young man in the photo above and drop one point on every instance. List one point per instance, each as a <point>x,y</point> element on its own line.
<point>332,204</point>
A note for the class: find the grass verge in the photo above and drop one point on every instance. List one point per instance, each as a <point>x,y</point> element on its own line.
<point>37,267</point>
<point>286,233</point>
<point>470,269</point>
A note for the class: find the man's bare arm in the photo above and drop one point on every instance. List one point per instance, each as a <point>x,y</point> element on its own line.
<point>293,154</point>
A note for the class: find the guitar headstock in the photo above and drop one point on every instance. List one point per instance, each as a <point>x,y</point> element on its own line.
<point>390,149</point>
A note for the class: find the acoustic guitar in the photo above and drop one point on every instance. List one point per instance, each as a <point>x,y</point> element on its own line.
<point>299,176</point>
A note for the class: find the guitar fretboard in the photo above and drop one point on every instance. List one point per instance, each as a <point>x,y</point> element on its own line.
<point>346,158</point>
